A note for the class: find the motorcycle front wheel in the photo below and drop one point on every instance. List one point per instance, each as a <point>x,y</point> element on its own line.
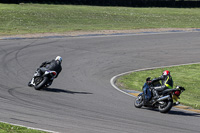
<point>40,82</point>
<point>139,101</point>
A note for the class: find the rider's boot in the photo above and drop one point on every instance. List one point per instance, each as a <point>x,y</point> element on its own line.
<point>50,82</point>
<point>176,103</point>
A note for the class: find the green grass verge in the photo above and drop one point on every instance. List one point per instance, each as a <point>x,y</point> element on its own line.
<point>42,18</point>
<point>187,76</point>
<point>7,128</point>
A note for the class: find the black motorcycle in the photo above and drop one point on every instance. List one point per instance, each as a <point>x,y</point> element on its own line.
<point>165,101</point>
<point>42,81</point>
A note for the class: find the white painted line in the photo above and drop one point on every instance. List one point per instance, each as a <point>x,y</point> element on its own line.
<point>138,33</point>
<point>127,34</point>
<point>30,127</point>
<point>112,81</point>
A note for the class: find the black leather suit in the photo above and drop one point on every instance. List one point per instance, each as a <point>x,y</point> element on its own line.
<point>167,83</point>
<point>51,65</point>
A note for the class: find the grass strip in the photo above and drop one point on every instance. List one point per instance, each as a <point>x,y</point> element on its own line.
<point>43,18</point>
<point>186,75</point>
<point>7,128</point>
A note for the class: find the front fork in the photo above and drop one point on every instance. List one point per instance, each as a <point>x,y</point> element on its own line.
<point>34,75</point>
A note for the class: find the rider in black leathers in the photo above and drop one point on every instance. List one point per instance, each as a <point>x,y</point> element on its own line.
<point>167,83</point>
<point>54,65</point>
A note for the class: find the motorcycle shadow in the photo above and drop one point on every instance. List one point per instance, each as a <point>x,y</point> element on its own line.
<point>63,91</point>
<point>176,112</point>
<point>173,112</point>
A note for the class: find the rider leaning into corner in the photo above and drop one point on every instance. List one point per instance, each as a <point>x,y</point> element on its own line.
<point>54,65</point>
<point>167,83</point>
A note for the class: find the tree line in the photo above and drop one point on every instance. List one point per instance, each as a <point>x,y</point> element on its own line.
<point>127,3</point>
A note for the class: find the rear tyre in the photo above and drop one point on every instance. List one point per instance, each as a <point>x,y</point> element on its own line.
<point>166,106</point>
<point>139,101</point>
<point>40,82</point>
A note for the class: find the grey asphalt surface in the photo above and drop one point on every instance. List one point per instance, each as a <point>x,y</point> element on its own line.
<point>81,99</point>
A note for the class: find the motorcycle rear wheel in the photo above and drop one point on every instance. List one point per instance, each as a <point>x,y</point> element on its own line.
<point>166,107</point>
<point>42,84</point>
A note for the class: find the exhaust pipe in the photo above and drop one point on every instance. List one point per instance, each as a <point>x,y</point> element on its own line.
<point>163,98</point>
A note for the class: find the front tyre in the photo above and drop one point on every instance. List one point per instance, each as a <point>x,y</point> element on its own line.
<point>165,106</point>
<point>41,82</point>
<point>139,101</point>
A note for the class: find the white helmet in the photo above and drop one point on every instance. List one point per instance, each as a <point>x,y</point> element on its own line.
<point>58,58</point>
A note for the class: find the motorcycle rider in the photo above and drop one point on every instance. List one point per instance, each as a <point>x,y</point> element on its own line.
<point>146,91</point>
<point>54,65</point>
<point>167,83</point>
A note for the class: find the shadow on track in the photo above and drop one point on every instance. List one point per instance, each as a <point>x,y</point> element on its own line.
<point>172,112</point>
<point>64,91</point>
<point>177,112</point>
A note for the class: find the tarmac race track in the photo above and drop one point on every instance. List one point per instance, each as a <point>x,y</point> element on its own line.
<point>81,99</point>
